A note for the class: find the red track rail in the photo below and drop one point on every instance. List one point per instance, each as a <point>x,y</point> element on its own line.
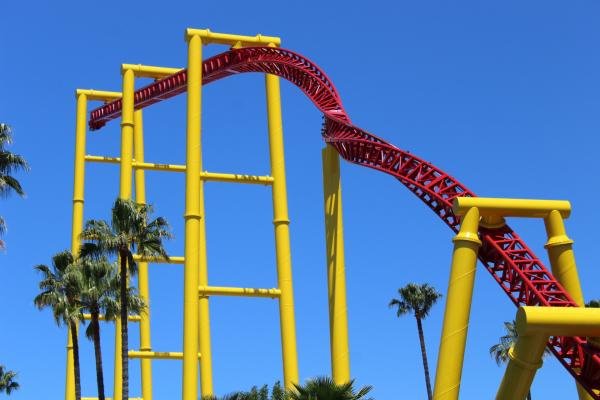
<point>520,274</point>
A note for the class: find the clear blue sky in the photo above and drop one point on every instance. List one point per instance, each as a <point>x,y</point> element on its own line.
<point>505,96</point>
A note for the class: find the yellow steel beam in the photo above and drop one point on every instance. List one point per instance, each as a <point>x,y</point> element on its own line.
<point>110,398</point>
<point>131,318</point>
<point>209,37</point>
<point>77,216</point>
<point>558,321</point>
<point>100,95</point>
<point>458,308</point>
<point>192,220</point>
<point>281,224</point>
<point>162,355</point>
<point>511,207</point>
<point>143,275</point>
<point>205,176</point>
<point>158,167</point>
<point>103,159</point>
<point>158,260</point>
<point>150,71</point>
<point>336,275</point>
<point>236,178</point>
<point>237,291</point>
<point>534,325</point>
<point>562,258</point>
<point>126,172</point>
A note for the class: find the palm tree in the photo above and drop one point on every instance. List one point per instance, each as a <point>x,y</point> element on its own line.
<point>97,284</point>
<point>61,298</point>
<point>7,381</point>
<point>128,231</point>
<point>593,304</point>
<point>277,393</point>
<point>9,163</point>
<point>417,299</point>
<point>324,388</point>
<point>500,351</point>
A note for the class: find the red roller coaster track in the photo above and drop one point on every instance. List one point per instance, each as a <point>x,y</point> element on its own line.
<point>520,274</point>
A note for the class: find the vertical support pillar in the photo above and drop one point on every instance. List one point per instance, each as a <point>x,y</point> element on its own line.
<point>126,173</point>
<point>336,275</point>
<point>458,308</point>
<point>525,360</point>
<point>205,348</point>
<point>143,278</point>
<point>562,258</point>
<point>281,224</point>
<point>77,220</point>
<point>564,268</point>
<point>192,219</point>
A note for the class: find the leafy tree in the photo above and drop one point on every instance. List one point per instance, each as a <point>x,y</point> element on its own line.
<point>128,231</point>
<point>61,298</point>
<point>9,164</point>
<point>500,351</point>
<point>418,300</point>
<point>8,384</point>
<point>324,388</point>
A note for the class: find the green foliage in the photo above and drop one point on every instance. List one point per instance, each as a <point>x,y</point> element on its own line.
<point>593,303</point>
<point>9,164</point>
<point>56,293</point>
<point>324,388</point>
<point>128,231</point>
<point>417,299</point>
<point>8,384</point>
<point>500,350</point>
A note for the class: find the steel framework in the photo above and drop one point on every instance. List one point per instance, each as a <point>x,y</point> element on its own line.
<point>518,271</point>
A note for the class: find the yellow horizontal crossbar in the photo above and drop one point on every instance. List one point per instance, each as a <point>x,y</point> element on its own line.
<point>494,207</point>
<point>163,355</point>
<point>158,260</point>
<point>235,291</point>
<point>110,398</point>
<point>102,159</point>
<point>236,178</point>
<point>558,321</point>
<point>149,71</point>
<point>100,95</point>
<point>232,40</point>
<point>205,176</point>
<point>131,318</point>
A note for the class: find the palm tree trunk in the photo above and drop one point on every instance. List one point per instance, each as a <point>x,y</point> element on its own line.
<point>98,354</point>
<point>76,370</point>
<point>124,332</point>
<point>424,355</point>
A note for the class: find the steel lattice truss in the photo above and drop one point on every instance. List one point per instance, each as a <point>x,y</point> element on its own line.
<point>518,271</point>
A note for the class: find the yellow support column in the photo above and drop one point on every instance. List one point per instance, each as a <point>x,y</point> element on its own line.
<point>192,219</point>
<point>458,308</point>
<point>562,258</point>
<point>281,222</point>
<point>205,348</point>
<point>525,360</point>
<point>534,325</point>
<point>77,221</point>
<point>126,173</point>
<point>564,268</point>
<point>336,275</point>
<point>143,278</point>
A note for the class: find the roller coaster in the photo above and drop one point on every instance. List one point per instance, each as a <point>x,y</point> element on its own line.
<point>512,264</point>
